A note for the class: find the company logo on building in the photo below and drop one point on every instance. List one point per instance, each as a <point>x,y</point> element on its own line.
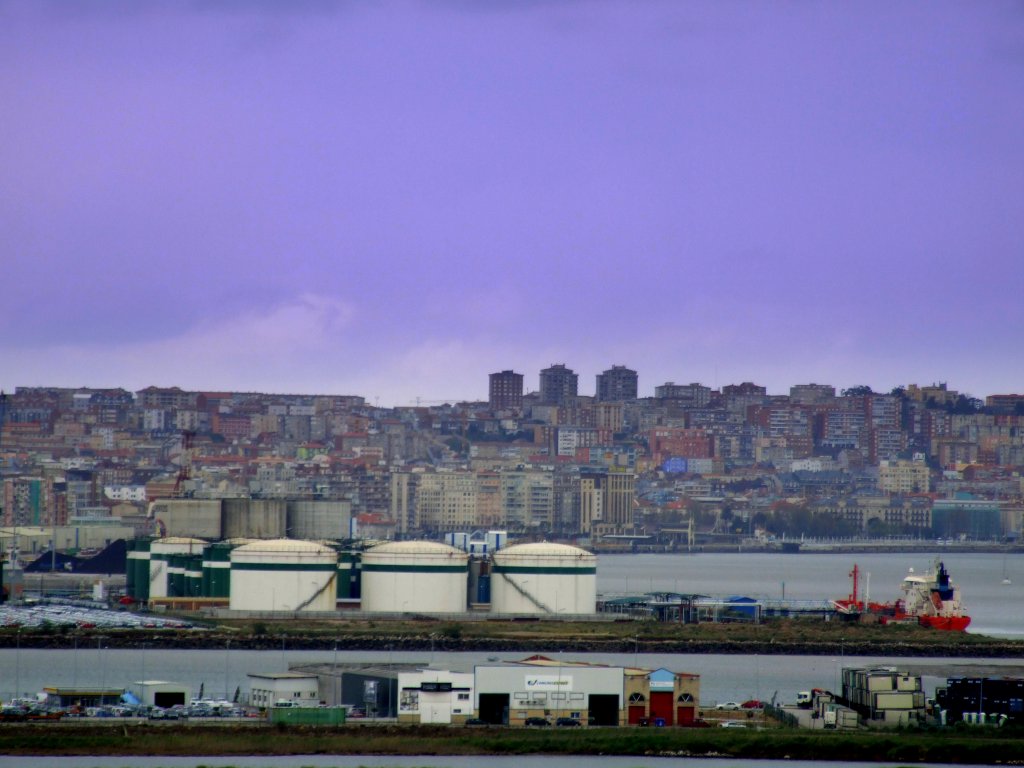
<point>548,683</point>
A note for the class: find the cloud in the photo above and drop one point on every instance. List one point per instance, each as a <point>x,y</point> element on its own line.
<point>271,350</point>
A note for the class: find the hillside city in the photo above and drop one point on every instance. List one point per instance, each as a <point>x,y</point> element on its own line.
<point>688,463</point>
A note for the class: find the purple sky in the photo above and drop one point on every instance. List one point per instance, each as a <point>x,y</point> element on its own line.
<point>395,199</point>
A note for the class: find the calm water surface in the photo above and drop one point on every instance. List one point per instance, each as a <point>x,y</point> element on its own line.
<point>995,608</point>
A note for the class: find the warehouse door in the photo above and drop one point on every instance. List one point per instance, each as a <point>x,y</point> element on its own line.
<point>494,708</point>
<point>685,715</point>
<point>661,706</point>
<point>604,709</point>
<point>168,699</point>
<point>637,712</point>
<point>436,712</point>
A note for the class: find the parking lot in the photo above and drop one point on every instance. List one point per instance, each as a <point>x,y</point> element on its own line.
<point>69,613</point>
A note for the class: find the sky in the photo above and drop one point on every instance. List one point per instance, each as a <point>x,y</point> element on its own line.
<point>395,199</point>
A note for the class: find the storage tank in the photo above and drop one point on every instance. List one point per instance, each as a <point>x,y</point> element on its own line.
<point>176,575</point>
<point>141,566</point>
<point>194,576</point>
<point>283,575</point>
<point>254,518</point>
<point>189,517</point>
<point>319,519</point>
<point>420,576</point>
<point>130,556</point>
<point>347,573</point>
<point>544,578</point>
<point>160,552</point>
<point>217,567</point>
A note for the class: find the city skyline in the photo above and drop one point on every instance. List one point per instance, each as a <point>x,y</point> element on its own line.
<point>395,201</point>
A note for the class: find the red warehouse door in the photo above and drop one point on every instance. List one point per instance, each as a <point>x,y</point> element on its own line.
<point>661,706</point>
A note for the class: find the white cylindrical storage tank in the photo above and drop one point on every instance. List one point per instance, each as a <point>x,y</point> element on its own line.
<point>283,575</point>
<point>419,576</point>
<point>544,578</point>
<point>160,552</point>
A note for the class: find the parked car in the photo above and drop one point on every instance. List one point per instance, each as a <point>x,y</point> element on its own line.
<point>753,704</point>
<point>732,724</point>
<point>476,721</point>
<point>729,706</point>
<point>570,722</point>
<point>355,713</point>
<point>537,721</point>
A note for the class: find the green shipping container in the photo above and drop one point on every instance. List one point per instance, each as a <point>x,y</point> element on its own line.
<point>307,715</point>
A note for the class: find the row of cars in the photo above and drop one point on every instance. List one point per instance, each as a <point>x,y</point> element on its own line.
<point>195,710</point>
<point>533,722</point>
<point>64,613</point>
<point>22,712</point>
<point>735,706</point>
<point>749,706</point>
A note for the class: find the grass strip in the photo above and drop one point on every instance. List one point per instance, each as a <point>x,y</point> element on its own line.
<point>947,746</point>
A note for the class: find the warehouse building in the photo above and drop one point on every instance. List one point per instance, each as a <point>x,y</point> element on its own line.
<point>272,688</point>
<point>661,697</point>
<point>370,687</point>
<point>161,693</point>
<point>592,694</point>
<point>435,696</point>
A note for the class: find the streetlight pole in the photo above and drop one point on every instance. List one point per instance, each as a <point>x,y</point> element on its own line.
<point>17,664</point>
<point>337,677</point>
<point>227,663</point>
<point>103,669</point>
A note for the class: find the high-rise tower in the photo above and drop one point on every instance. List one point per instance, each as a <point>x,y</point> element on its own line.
<point>616,384</point>
<point>505,391</point>
<point>558,385</point>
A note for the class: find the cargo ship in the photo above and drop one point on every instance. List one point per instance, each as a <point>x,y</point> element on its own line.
<point>931,600</point>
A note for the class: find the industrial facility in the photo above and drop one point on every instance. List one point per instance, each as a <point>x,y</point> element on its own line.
<point>261,570</point>
<point>544,578</point>
<point>514,693</point>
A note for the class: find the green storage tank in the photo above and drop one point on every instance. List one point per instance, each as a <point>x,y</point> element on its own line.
<point>346,566</point>
<point>142,556</point>
<point>217,569</point>
<point>357,576</point>
<point>176,575</point>
<point>129,568</point>
<point>194,576</point>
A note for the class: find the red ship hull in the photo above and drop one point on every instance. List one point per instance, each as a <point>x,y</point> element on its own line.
<point>950,623</point>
